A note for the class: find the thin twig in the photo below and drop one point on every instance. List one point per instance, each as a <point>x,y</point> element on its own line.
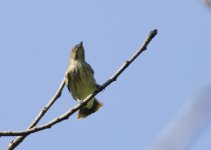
<point>32,128</point>
<point>19,139</point>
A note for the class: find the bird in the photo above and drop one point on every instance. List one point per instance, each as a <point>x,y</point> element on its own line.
<point>80,81</point>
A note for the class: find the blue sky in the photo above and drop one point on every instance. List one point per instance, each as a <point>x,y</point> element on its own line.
<point>36,38</point>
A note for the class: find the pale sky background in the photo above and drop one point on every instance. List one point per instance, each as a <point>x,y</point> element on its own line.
<point>35,41</point>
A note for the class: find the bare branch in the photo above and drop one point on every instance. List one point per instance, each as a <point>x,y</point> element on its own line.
<point>66,115</point>
<point>19,139</point>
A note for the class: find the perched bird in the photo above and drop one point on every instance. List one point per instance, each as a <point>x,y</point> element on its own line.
<point>80,81</point>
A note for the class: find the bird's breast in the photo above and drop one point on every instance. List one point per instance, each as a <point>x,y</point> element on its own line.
<point>82,82</point>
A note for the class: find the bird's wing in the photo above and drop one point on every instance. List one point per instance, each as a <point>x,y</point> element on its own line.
<point>90,68</point>
<point>68,82</point>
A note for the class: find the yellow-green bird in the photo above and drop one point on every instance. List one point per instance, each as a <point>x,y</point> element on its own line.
<point>80,81</point>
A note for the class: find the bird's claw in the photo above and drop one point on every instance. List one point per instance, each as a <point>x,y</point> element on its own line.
<point>80,101</point>
<point>100,87</point>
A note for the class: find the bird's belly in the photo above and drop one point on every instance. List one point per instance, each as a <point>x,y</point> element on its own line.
<point>83,90</point>
<point>84,83</point>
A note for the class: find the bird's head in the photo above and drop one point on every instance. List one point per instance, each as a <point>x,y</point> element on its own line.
<point>77,52</point>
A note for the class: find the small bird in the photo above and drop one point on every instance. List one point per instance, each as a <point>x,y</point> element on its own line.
<point>80,81</point>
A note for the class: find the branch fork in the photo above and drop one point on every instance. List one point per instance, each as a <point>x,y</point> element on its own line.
<point>33,128</point>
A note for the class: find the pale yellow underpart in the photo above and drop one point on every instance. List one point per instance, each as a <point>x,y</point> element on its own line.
<point>87,83</point>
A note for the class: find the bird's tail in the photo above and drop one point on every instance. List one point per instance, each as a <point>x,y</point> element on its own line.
<point>84,111</point>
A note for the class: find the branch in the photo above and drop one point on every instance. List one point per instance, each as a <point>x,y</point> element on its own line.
<point>66,115</point>
<point>19,139</point>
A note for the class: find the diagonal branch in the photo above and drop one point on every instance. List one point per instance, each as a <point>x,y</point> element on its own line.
<point>19,139</point>
<point>66,115</point>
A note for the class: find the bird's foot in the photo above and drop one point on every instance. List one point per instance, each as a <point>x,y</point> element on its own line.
<point>80,101</point>
<point>100,87</point>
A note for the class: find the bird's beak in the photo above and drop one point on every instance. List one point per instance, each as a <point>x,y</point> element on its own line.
<point>81,44</point>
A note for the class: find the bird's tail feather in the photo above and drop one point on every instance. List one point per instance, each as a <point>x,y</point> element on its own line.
<point>84,111</point>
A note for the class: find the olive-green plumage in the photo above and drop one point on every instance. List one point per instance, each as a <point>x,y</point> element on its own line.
<point>80,81</point>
